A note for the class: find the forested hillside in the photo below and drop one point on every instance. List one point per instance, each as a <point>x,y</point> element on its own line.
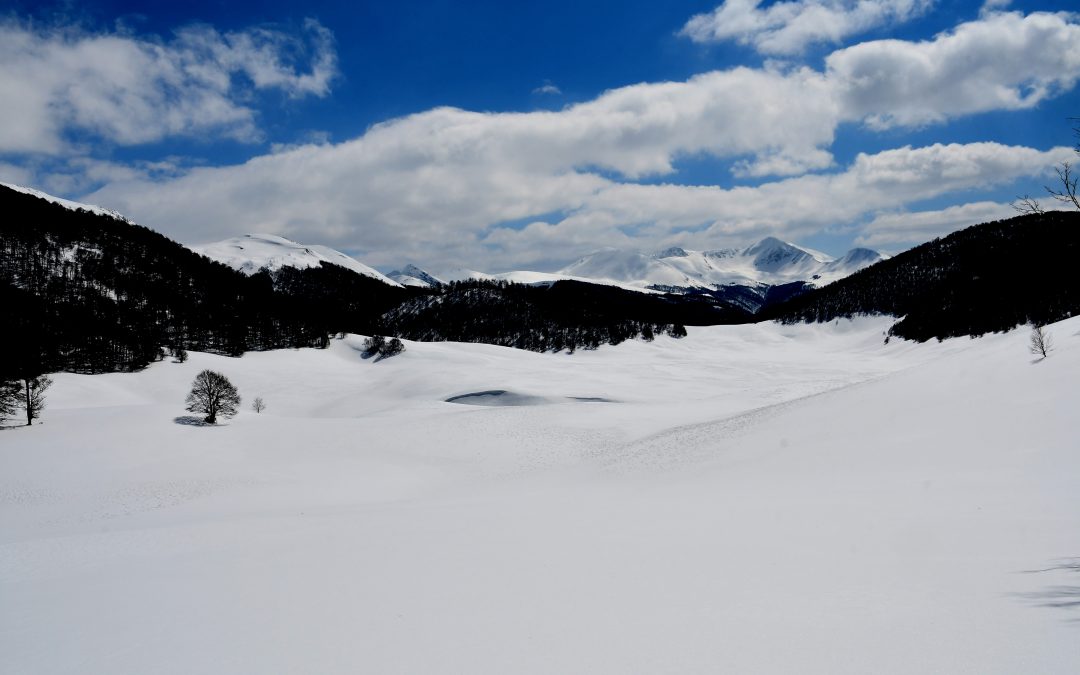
<point>986,278</point>
<point>90,293</point>
<point>561,315</point>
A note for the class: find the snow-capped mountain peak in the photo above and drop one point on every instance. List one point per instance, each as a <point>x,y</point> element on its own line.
<point>673,252</point>
<point>772,254</point>
<point>252,252</point>
<point>768,262</point>
<point>411,275</point>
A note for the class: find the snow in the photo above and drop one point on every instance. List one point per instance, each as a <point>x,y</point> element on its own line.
<point>66,203</point>
<point>253,252</point>
<point>411,275</point>
<point>750,499</point>
<point>770,261</point>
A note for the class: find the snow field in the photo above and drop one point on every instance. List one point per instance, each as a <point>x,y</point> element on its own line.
<point>753,499</point>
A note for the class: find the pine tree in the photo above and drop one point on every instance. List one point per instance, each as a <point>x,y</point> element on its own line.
<point>34,397</point>
<point>9,398</point>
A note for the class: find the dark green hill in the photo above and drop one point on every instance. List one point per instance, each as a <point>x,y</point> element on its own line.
<point>90,293</point>
<point>983,279</point>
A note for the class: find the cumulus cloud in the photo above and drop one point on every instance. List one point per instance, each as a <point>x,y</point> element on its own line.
<point>131,90</point>
<point>794,207</point>
<point>1001,62</point>
<point>787,28</point>
<point>431,218</point>
<point>442,185</point>
<point>904,227</point>
<point>991,6</point>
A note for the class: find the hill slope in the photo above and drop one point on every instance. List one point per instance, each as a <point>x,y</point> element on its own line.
<point>986,278</point>
<point>750,499</point>
<point>89,292</point>
<point>254,252</point>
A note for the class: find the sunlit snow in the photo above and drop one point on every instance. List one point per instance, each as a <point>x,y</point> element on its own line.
<point>750,499</point>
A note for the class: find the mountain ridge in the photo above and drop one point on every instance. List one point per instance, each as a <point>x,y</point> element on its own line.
<point>250,253</point>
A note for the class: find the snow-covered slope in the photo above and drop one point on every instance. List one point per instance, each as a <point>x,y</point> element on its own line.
<point>750,499</point>
<point>253,252</point>
<point>766,263</point>
<point>769,261</point>
<point>67,203</point>
<point>411,275</point>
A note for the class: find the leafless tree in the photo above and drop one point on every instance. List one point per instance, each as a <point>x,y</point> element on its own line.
<point>1067,193</point>
<point>1040,340</point>
<point>257,405</point>
<point>212,394</point>
<point>1027,204</point>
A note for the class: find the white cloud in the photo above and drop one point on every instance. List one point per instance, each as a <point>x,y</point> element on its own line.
<point>17,175</point>
<point>797,206</point>
<point>786,28</point>
<point>131,90</point>
<point>1001,62</point>
<point>435,186</point>
<point>991,6</point>
<point>905,227</point>
<point>547,88</point>
<point>432,215</point>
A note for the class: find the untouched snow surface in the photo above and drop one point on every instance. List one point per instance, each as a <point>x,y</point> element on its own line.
<point>751,499</point>
<point>253,252</point>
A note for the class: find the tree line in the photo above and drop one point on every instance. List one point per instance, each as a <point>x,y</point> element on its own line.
<point>562,316</point>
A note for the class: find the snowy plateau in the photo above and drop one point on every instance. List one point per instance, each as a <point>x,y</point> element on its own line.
<point>749,499</point>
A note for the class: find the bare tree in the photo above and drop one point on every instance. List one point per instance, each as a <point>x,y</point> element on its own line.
<point>34,397</point>
<point>1066,194</point>
<point>1068,180</point>
<point>212,394</point>
<point>1027,204</point>
<point>257,405</point>
<point>1040,340</point>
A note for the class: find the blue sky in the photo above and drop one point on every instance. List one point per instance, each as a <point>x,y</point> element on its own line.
<point>501,136</point>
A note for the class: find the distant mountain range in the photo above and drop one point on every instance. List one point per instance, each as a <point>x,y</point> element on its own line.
<point>770,262</point>
<point>85,289</point>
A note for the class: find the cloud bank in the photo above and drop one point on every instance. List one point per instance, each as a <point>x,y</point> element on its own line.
<point>448,186</point>
<point>129,90</point>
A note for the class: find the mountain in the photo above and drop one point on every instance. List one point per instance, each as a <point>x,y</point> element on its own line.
<point>770,262</point>
<point>986,278</point>
<point>85,291</point>
<point>411,275</point>
<point>253,252</point>
<point>67,203</point>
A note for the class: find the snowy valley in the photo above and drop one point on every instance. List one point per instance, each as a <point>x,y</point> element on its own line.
<point>757,498</point>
